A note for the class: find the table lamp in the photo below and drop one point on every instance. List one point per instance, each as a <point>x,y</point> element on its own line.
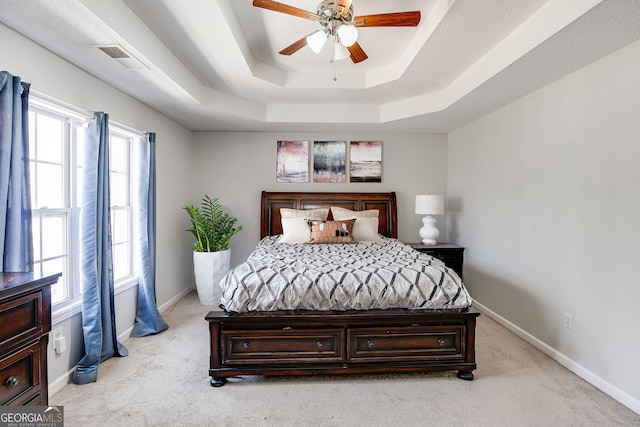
<point>429,204</point>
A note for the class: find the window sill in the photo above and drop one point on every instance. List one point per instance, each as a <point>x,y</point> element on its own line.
<point>65,310</point>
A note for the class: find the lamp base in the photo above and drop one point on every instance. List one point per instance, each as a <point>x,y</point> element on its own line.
<point>429,232</point>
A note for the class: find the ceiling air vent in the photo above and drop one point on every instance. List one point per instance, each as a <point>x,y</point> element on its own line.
<point>123,57</point>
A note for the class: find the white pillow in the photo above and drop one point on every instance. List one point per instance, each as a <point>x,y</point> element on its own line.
<point>342,213</point>
<point>321,213</point>
<point>295,230</point>
<point>366,230</point>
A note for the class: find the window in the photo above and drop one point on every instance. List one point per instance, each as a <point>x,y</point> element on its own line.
<point>120,146</point>
<point>55,157</point>
<point>52,143</point>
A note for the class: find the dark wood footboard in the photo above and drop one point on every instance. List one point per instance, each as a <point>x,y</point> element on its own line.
<point>358,342</point>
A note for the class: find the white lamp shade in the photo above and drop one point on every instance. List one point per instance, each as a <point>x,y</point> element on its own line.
<point>317,40</point>
<point>340,52</point>
<point>348,34</point>
<point>430,204</point>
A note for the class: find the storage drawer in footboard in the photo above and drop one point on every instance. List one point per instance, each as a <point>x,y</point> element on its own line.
<point>282,346</point>
<point>418,343</point>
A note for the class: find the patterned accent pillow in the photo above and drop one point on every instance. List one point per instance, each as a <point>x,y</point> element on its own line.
<point>331,231</point>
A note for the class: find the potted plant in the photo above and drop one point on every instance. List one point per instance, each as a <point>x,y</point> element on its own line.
<point>213,228</point>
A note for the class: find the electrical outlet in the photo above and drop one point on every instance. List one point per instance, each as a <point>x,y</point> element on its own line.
<point>59,341</point>
<point>568,321</point>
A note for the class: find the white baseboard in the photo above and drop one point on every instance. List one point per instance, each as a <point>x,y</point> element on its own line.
<point>126,334</point>
<point>175,299</point>
<point>605,386</point>
<point>57,384</point>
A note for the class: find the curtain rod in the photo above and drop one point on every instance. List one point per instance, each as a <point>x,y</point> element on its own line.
<point>77,112</point>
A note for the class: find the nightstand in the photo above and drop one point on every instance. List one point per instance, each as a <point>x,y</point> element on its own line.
<point>452,255</point>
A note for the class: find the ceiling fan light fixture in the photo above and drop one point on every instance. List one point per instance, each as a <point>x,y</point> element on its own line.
<point>339,21</point>
<point>339,51</point>
<point>348,34</point>
<point>317,40</point>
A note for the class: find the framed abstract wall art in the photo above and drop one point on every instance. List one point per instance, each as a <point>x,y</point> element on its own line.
<point>292,161</point>
<point>365,161</point>
<point>329,161</point>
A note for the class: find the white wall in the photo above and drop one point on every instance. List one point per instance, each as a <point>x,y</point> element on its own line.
<point>547,202</point>
<point>237,166</point>
<point>53,76</point>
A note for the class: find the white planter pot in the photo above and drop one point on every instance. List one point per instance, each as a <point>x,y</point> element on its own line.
<point>209,268</point>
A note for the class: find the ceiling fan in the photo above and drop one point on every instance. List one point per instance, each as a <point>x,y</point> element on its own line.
<point>338,21</point>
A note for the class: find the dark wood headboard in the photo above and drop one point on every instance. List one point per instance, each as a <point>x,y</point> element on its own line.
<point>271,202</point>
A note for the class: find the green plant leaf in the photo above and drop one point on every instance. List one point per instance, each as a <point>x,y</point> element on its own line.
<point>212,227</point>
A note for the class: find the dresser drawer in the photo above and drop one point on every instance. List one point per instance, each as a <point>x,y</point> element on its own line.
<point>312,346</point>
<point>406,343</point>
<point>20,375</point>
<point>20,320</point>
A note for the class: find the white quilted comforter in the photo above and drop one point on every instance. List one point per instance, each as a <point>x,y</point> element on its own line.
<point>360,276</point>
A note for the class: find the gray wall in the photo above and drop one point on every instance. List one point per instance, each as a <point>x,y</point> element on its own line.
<point>55,77</point>
<point>237,166</point>
<point>543,193</point>
<point>232,166</point>
<point>547,203</point>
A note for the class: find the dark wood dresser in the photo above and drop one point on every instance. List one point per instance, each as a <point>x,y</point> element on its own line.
<point>452,255</point>
<point>25,321</point>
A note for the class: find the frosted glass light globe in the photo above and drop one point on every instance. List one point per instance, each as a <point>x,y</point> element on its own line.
<point>348,34</point>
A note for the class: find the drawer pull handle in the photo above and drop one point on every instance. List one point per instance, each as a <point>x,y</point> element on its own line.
<point>370,343</point>
<point>245,345</point>
<point>441,342</point>
<point>12,381</point>
<point>320,344</point>
<point>287,328</point>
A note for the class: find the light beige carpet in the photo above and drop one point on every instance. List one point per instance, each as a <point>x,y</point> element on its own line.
<point>164,382</point>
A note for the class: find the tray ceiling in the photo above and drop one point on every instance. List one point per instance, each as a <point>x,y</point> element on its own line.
<point>213,64</point>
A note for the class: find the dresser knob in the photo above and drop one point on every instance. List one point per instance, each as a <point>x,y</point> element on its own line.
<point>245,345</point>
<point>441,342</point>
<point>320,344</point>
<point>370,343</point>
<point>12,381</point>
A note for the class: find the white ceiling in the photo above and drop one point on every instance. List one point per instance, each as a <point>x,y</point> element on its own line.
<point>213,64</point>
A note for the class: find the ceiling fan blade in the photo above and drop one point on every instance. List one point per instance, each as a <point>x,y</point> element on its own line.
<point>357,53</point>
<point>294,47</point>
<point>397,19</point>
<point>284,8</point>
<point>342,6</point>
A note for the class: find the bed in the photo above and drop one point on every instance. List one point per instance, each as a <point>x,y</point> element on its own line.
<point>253,339</point>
